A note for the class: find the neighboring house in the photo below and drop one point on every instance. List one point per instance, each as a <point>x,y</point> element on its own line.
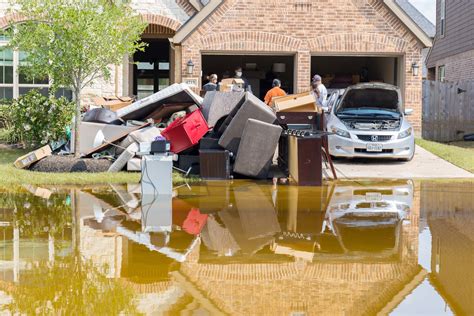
<point>345,41</point>
<point>422,21</point>
<point>452,55</point>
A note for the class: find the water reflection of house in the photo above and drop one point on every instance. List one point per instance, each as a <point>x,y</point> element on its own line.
<point>327,283</point>
<point>451,221</point>
<point>237,270</point>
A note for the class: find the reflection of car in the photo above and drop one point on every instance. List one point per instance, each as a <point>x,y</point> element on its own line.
<point>362,221</point>
<point>368,218</point>
<point>368,121</point>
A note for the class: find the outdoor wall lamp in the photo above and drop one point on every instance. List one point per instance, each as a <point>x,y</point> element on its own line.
<point>190,67</point>
<point>415,69</point>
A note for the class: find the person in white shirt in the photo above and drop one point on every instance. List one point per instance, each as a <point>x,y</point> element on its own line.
<point>323,92</point>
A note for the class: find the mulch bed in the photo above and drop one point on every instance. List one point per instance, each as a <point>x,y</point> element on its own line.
<point>71,164</point>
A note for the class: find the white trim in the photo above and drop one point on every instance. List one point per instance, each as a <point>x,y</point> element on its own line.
<point>16,74</point>
<point>196,4</point>
<point>412,26</point>
<point>191,25</point>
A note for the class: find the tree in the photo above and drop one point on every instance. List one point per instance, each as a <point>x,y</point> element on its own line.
<point>74,42</point>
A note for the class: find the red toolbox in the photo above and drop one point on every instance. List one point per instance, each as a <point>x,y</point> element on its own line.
<point>186,132</point>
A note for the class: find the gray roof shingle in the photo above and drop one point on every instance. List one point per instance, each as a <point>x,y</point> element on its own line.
<point>417,17</point>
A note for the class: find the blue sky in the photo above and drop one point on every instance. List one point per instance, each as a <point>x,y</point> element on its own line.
<point>427,7</point>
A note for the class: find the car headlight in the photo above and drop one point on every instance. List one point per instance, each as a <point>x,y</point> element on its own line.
<point>340,132</point>
<point>405,133</point>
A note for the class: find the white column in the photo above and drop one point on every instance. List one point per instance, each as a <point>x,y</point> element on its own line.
<point>16,254</point>
<point>50,248</point>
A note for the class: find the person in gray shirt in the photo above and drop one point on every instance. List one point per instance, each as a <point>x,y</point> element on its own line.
<point>323,92</point>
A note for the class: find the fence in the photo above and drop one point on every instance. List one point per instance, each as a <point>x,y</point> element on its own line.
<point>448,110</point>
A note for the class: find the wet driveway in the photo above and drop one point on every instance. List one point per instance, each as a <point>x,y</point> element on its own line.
<point>242,248</point>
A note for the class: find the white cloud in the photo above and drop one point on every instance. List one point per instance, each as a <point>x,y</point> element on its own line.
<point>427,7</point>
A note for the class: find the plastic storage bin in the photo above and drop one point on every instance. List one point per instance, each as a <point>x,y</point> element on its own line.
<point>186,132</point>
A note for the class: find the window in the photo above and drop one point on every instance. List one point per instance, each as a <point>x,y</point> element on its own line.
<point>442,20</point>
<point>441,73</point>
<point>13,81</point>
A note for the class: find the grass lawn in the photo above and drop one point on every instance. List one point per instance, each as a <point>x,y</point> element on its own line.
<point>11,175</point>
<point>460,154</point>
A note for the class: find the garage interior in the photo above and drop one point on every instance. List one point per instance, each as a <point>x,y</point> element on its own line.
<point>259,70</point>
<point>339,72</point>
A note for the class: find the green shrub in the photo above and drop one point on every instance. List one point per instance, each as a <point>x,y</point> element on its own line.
<point>7,134</point>
<point>39,120</point>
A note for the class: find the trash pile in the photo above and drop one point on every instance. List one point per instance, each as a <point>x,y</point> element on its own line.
<point>222,135</point>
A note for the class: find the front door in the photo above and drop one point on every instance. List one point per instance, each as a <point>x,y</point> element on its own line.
<point>151,71</point>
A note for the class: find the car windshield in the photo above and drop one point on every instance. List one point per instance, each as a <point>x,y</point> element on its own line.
<point>366,100</point>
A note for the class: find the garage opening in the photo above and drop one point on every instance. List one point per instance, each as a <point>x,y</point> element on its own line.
<point>339,72</point>
<point>257,69</point>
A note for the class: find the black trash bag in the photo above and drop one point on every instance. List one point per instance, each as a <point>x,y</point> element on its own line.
<point>103,116</point>
<point>469,137</point>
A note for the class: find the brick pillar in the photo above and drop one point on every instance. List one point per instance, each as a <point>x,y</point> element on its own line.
<point>413,89</point>
<point>194,55</point>
<point>303,71</point>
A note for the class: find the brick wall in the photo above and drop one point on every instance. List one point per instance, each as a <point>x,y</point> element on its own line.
<point>458,67</point>
<point>303,28</point>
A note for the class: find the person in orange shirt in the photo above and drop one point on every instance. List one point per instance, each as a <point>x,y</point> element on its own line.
<point>276,91</point>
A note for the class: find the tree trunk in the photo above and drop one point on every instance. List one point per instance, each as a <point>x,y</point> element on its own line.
<point>77,120</point>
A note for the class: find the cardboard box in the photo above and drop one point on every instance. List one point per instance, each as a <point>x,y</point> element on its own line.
<point>355,79</point>
<point>303,102</point>
<point>230,83</point>
<point>32,157</point>
<point>113,103</point>
<point>38,191</point>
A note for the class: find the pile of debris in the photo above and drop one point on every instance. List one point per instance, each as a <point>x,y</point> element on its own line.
<point>222,135</point>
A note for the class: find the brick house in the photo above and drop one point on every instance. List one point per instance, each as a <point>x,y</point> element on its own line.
<point>452,55</point>
<point>346,41</point>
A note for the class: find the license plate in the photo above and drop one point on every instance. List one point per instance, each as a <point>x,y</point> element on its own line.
<point>373,197</point>
<point>374,147</point>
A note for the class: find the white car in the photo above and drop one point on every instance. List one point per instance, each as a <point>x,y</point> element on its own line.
<point>368,120</point>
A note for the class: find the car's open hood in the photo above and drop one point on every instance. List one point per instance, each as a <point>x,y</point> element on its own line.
<point>370,96</point>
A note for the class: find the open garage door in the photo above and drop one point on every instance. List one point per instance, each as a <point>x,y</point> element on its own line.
<point>259,70</point>
<point>339,72</point>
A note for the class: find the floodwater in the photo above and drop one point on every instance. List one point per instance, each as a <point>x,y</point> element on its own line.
<point>241,248</point>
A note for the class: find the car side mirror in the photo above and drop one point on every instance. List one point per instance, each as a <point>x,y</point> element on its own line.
<point>408,111</point>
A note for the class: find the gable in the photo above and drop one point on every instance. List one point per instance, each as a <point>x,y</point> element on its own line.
<point>300,19</point>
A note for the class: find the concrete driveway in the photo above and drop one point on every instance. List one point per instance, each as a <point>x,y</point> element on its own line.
<point>424,165</point>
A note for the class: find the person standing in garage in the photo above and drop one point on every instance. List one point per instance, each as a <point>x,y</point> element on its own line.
<point>212,84</point>
<point>276,91</point>
<point>323,92</point>
<point>239,75</point>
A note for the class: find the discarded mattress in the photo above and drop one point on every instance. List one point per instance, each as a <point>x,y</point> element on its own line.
<point>178,93</point>
<point>233,126</point>
<point>221,105</point>
<point>257,148</point>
